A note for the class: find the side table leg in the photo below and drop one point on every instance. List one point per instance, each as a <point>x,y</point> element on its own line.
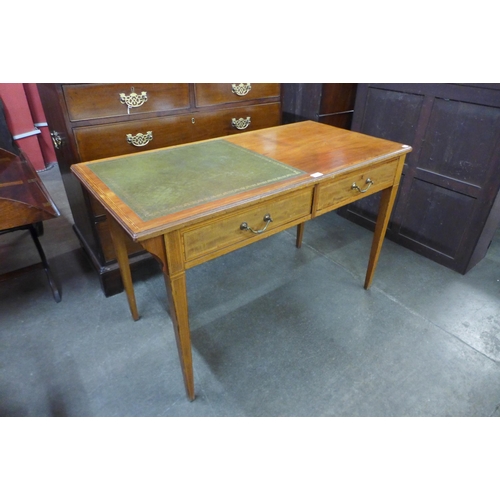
<point>168,252</point>
<point>53,285</point>
<point>177,297</point>
<point>119,244</point>
<point>300,234</point>
<point>384,214</point>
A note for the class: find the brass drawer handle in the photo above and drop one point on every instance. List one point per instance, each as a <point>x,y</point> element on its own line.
<point>245,227</point>
<point>57,140</point>
<point>241,89</point>
<point>368,181</point>
<point>140,140</point>
<point>133,100</point>
<point>241,123</point>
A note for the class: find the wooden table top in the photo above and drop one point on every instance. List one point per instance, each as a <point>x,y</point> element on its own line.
<point>23,197</point>
<point>255,165</point>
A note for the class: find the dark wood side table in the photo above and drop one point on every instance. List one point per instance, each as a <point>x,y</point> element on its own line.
<point>24,204</point>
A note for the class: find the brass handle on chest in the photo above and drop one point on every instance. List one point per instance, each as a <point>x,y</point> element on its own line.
<point>369,183</point>
<point>139,139</point>
<point>56,140</point>
<point>133,100</point>
<point>241,123</point>
<point>245,227</point>
<point>241,89</point>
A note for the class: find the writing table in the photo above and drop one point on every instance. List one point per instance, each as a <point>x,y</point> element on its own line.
<point>192,203</point>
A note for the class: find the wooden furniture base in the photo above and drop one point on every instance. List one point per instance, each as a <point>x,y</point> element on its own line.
<point>318,168</point>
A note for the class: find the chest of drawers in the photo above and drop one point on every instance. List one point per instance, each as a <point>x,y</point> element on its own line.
<point>94,121</point>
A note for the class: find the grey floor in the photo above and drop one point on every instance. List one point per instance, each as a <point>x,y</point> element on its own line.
<point>276,331</point>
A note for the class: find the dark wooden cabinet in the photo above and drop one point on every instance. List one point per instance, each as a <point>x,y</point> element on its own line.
<point>330,103</point>
<point>448,205</point>
<point>94,121</point>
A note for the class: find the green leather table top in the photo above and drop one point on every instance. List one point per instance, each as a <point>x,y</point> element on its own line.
<point>166,181</point>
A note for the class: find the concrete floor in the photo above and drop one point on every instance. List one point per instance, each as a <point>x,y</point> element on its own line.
<point>276,331</point>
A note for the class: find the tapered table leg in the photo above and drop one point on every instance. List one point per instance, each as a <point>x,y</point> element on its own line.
<point>384,214</point>
<point>300,234</point>
<point>167,250</point>
<point>177,297</point>
<point>119,243</point>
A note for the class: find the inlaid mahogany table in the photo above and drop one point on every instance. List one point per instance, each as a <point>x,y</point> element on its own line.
<point>192,203</point>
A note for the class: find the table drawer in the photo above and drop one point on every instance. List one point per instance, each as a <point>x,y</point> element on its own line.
<point>104,141</point>
<point>226,231</point>
<point>209,94</point>
<point>97,100</point>
<point>340,191</point>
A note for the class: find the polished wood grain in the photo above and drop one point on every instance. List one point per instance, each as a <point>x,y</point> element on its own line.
<point>335,193</point>
<point>23,197</point>
<point>331,160</point>
<point>218,123</point>
<point>105,141</point>
<point>209,94</point>
<point>102,100</point>
<point>208,240</point>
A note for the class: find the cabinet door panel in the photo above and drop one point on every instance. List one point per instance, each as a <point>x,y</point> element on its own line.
<point>445,205</point>
<point>459,140</point>
<point>440,221</point>
<point>391,115</point>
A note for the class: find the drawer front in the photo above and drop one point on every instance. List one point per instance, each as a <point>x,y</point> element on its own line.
<point>104,141</point>
<point>236,120</point>
<point>226,231</point>
<point>340,191</point>
<point>210,94</point>
<point>89,101</point>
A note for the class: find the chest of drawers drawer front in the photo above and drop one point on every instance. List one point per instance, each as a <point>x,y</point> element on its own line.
<point>226,231</point>
<point>211,124</point>
<point>104,141</point>
<point>90,101</point>
<point>209,94</point>
<point>340,191</point>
